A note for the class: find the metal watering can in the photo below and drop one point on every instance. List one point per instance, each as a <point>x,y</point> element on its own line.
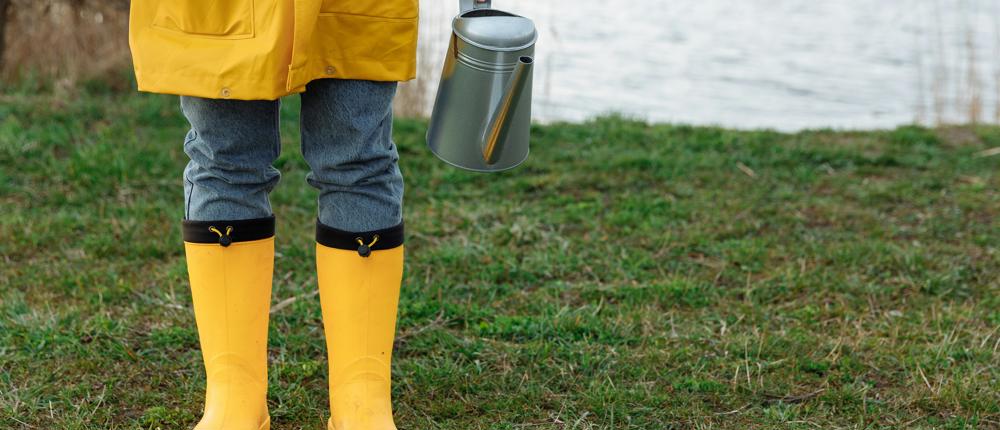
<point>482,114</point>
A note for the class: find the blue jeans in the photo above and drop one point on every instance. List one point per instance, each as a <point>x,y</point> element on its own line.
<point>346,141</point>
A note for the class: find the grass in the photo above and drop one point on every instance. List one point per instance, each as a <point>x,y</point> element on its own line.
<point>629,276</point>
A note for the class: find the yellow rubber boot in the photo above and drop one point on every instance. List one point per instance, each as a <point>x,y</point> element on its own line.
<point>230,264</point>
<point>359,279</point>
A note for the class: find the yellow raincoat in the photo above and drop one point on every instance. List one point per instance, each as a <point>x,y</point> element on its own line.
<point>265,49</point>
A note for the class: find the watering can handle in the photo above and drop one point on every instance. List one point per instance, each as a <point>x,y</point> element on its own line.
<point>467,5</point>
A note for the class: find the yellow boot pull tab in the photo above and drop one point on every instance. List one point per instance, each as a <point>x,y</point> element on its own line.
<point>224,239</point>
<point>365,250</point>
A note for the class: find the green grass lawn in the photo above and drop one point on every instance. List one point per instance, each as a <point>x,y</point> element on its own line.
<point>628,276</point>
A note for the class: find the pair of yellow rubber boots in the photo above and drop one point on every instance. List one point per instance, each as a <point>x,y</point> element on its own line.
<point>230,265</point>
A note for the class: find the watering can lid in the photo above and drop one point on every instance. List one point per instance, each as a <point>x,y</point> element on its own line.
<point>491,28</point>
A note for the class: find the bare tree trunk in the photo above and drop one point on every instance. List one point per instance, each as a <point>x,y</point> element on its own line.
<point>4,7</point>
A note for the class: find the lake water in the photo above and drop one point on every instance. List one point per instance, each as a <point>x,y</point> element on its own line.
<point>784,64</point>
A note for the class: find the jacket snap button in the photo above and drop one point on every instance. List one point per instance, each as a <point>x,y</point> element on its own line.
<point>330,70</point>
<point>226,92</point>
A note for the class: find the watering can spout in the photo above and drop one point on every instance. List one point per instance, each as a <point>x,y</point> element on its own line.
<point>498,125</point>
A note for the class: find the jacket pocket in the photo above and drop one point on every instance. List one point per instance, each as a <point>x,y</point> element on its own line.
<point>230,19</point>
<point>398,9</point>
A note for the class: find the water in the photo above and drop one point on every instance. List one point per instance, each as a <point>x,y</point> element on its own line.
<point>783,64</point>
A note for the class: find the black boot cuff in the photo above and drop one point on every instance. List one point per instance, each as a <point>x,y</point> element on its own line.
<point>364,243</point>
<point>226,233</point>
